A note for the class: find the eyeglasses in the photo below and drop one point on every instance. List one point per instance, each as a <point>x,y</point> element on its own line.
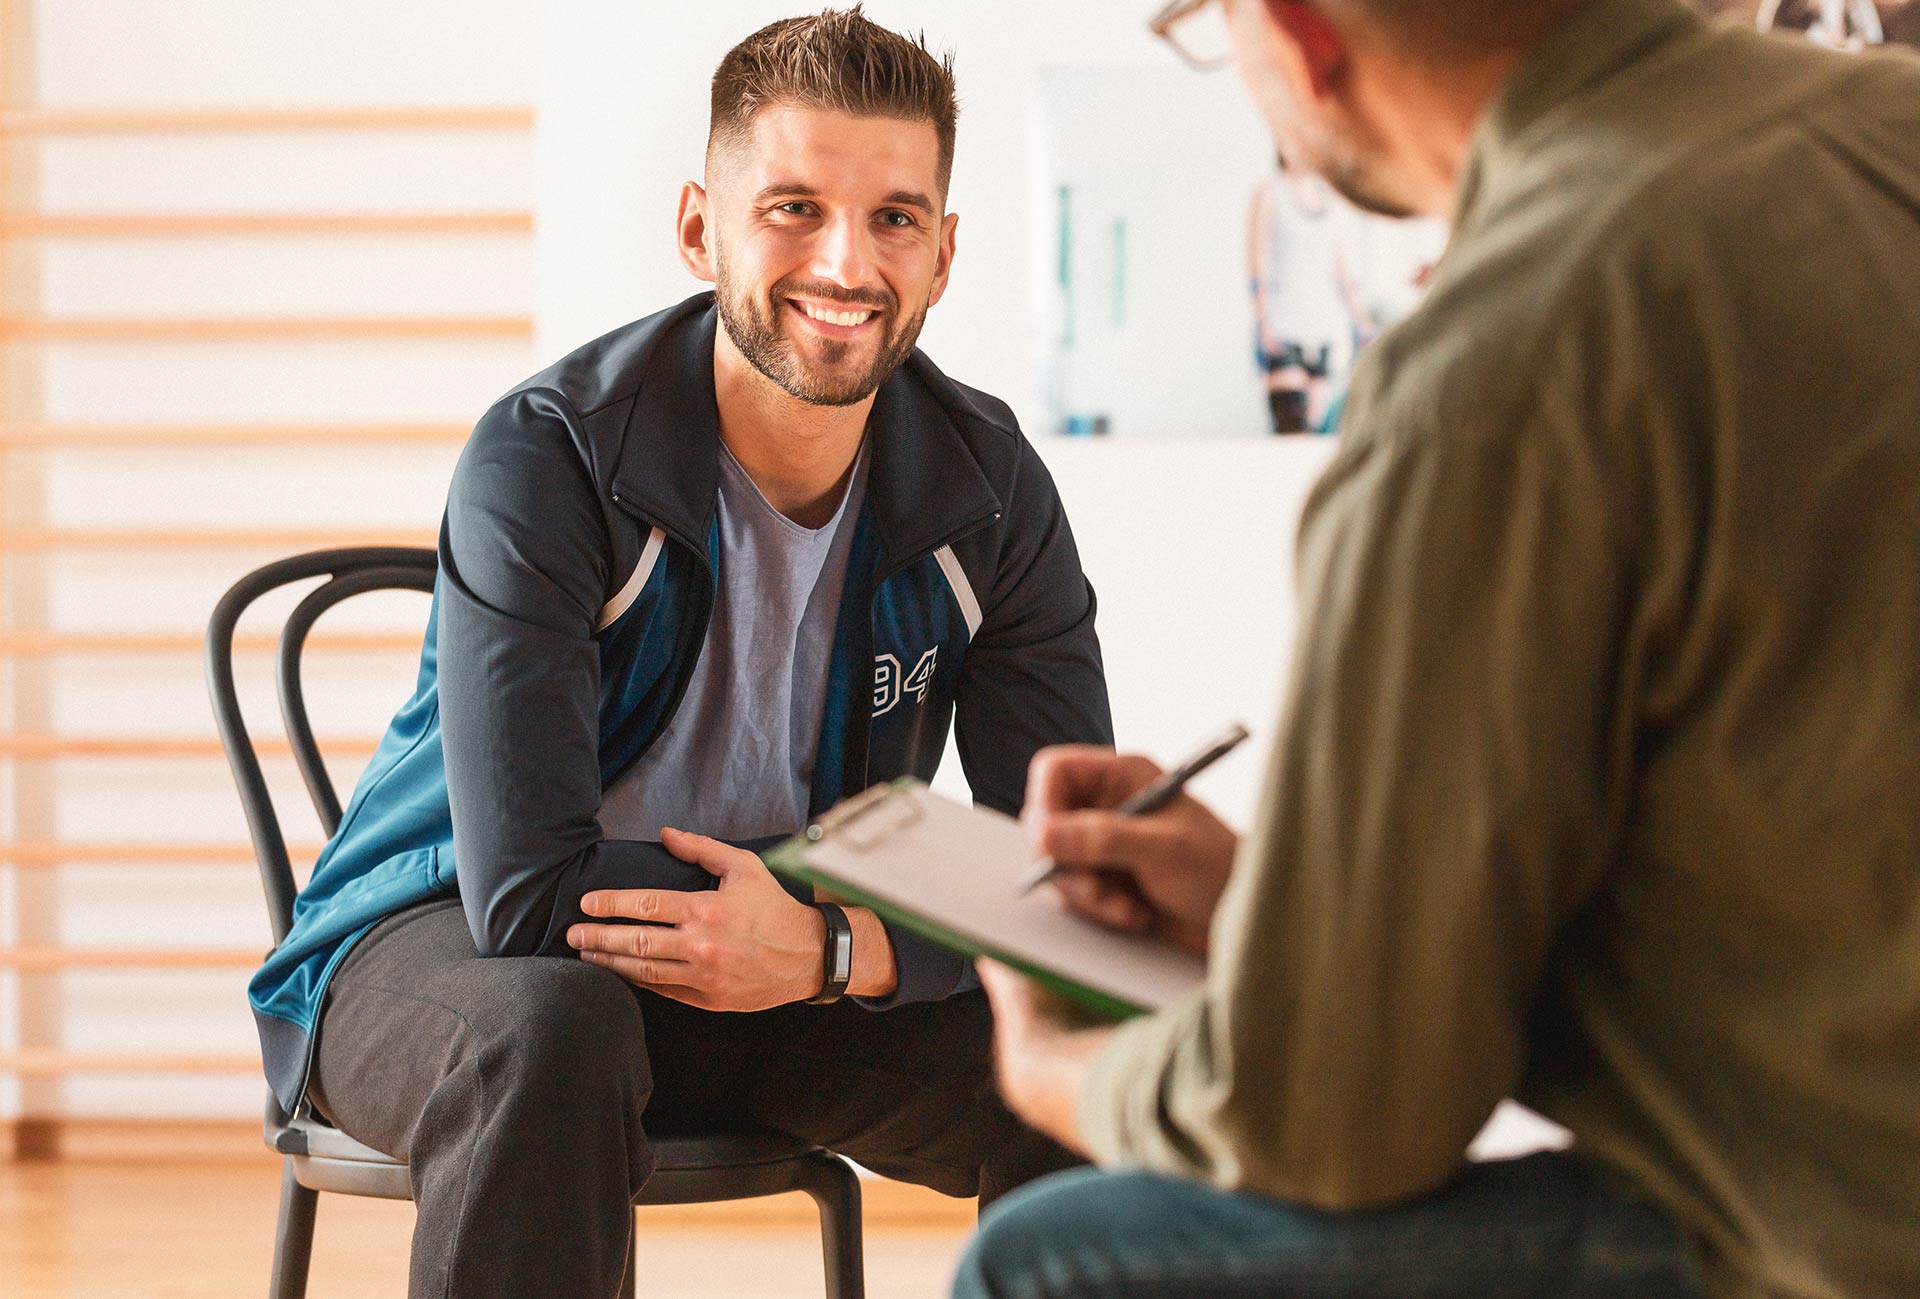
<point>1197,30</point>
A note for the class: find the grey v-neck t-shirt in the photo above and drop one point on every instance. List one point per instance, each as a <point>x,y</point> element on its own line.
<point>736,760</point>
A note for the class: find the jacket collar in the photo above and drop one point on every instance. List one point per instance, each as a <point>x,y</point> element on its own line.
<point>924,484</point>
<point>668,466</point>
<point>1597,43</point>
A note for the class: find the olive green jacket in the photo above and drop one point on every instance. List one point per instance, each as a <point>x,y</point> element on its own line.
<point>1598,783</point>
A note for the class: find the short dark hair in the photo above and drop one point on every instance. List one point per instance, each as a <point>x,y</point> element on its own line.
<point>835,60</point>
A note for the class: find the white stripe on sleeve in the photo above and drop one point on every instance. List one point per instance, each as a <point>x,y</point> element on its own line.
<point>623,601</point>
<point>962,589</point>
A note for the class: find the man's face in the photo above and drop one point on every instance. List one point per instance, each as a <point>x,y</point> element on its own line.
<point>1313,132</point>
<point>829,242</point>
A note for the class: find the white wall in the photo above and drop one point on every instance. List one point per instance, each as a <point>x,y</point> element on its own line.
<point>1190,550</point>
<point>1154,166</point>
<point>132,54</point>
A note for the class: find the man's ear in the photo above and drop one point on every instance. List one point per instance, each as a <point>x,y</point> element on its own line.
<point>1315,42</point>
<point>695,234</point>
<point>943,262</point>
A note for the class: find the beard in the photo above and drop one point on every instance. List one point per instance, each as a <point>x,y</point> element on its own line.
<point>756,327</point>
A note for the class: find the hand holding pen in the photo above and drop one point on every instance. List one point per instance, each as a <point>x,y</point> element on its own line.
<point>1123,845</point>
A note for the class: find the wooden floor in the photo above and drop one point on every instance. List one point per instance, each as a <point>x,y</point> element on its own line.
<point>89,1230</point>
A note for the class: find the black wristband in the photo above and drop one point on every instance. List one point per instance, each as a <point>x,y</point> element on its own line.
<point>837,959</point>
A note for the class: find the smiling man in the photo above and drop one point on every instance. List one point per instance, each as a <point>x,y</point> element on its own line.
<point>699,580</point>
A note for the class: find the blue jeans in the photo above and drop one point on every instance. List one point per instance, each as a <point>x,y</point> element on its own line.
<point>1541,1227</point>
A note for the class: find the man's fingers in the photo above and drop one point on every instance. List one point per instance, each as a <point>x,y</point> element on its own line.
<point>711,855</point>
<point>653,942</point>
<point>1098,897</point>
<point>1009,992</point>
<point>1093,839</point>
<point>1072,777</point>
<point>662,906</point>
<point>638,969</point>
<point>1067,776</point>
<point>1022,1008</point>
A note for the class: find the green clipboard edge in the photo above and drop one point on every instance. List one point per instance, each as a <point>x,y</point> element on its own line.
<point>788,859</point>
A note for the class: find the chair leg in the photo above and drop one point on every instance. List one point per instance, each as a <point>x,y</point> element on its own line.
<point>835,1188</point>
<point>293,1237</point>
<point>628,1276</point>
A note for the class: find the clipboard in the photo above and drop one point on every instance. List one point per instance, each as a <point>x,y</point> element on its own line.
<point>951,873</point>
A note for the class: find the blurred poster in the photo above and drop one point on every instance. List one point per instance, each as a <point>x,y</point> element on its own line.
<point>1326,279</point>
<point>1139,265</point>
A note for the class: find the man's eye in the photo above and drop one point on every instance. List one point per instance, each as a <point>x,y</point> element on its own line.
<point>794,208</point>
<point>897,219</point>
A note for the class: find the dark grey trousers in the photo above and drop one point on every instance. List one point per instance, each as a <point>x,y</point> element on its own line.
<point>520,1091</point>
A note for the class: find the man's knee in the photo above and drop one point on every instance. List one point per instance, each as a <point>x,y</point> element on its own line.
<point>1017,1253</point>
<point>1086,1233</point>
<point>562,1031</point>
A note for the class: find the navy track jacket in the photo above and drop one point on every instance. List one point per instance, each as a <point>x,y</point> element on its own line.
<point>578,556</point>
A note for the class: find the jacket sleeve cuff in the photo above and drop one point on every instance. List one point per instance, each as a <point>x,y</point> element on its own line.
<point>923,971</point>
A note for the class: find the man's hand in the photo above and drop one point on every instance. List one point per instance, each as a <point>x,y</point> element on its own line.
<point>748,945</point>
<point>1161,873</point>
<point>1041,1055</point>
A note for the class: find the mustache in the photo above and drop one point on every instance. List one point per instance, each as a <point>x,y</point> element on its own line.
<point>881,301</point>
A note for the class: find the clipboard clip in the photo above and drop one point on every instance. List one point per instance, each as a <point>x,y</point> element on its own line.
<point>868,819</point>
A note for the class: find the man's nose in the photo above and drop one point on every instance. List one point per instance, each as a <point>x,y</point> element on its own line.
<point>844,254</point>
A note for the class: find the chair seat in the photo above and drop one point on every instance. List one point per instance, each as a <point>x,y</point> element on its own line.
<point>327,1159</point>
<point>677,1151</point>
<point>324,1141</point>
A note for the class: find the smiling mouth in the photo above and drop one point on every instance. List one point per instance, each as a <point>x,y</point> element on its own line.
<point>837,320</point>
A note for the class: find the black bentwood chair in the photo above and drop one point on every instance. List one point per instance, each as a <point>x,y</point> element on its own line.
<point>692,1169</point>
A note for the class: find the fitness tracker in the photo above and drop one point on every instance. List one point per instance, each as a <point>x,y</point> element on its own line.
<point>837,960</point>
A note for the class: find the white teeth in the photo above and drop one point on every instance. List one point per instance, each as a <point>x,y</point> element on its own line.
<point>835,317</point>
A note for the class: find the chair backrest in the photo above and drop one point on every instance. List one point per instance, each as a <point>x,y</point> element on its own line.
<point>349,572</point>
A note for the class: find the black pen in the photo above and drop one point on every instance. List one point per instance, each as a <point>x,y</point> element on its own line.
<point>1151,798</point>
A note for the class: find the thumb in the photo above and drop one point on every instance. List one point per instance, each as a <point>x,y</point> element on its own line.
<point>1006,991</point>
